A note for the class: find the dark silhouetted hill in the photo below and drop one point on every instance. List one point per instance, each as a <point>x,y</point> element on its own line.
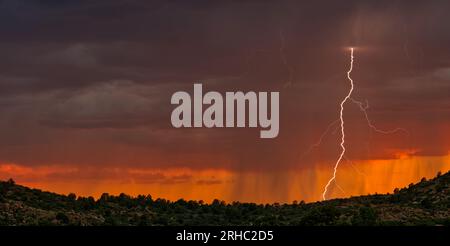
<point>425,203</point>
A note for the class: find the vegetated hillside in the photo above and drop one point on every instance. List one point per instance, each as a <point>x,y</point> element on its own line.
<point>425,203</point>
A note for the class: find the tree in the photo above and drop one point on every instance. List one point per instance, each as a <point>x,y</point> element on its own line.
<point>62,217</point>
<point>11,182</point>
<point>72,196</point>
<point>366,216</point>
<point>323,215</point>
<point>426,203</point>
<point>104,197</point>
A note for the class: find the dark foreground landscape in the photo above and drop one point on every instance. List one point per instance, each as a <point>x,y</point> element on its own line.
<point>425,203</point>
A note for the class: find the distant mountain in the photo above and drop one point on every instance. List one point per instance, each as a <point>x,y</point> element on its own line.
<point>425,203</point>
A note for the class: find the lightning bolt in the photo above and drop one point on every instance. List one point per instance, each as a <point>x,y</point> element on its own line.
<point>341,120</point>
<point>320,140</point>
<point>369,122</point>
<point>363,108</point>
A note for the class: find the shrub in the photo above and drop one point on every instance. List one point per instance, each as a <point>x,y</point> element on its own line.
<point>62,218</point>
<point>366,216</point>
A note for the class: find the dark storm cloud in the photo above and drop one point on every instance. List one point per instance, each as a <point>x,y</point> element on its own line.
<point>139,41</point>
<point>82,73</point>
<point>183,42</point>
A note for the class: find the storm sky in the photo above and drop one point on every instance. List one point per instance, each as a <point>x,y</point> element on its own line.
<point>85,90</point>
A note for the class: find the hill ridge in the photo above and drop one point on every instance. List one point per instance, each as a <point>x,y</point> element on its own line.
<point>424,203</point>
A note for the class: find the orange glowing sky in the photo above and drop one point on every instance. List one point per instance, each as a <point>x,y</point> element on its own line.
<point>354,178</point>
<point>85,96</point>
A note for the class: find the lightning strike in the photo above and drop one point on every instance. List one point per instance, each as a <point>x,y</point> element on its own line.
<point>320,140</point>
<point>369,122</point>
<point>350,162</point>
<point>341,119</point>
<point>363,108</point>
